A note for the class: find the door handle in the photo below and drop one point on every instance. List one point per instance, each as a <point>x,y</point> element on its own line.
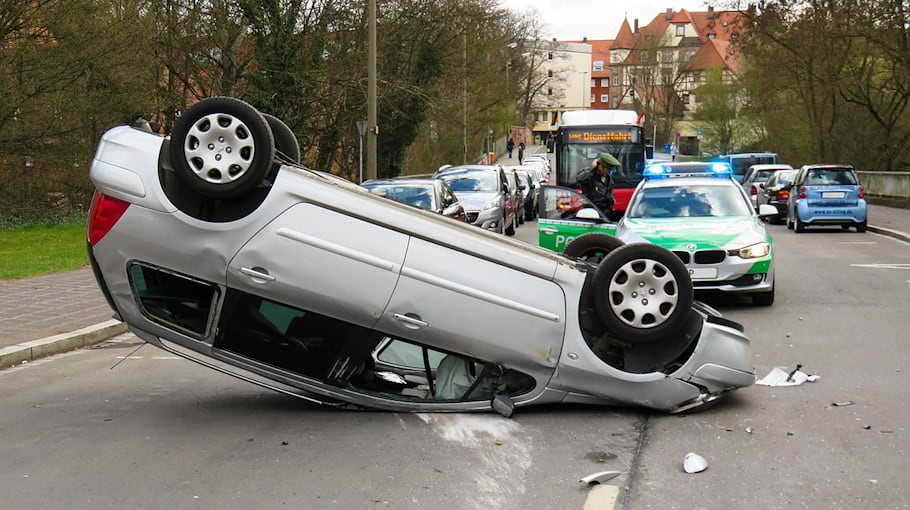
<point>412,322</point>
<point>258,274</point>
<point>548,230</point>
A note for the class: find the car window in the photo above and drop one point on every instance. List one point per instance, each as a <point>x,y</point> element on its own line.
<point>830,176</point>
<point>421,196</point>
<point>563,203</point>
<point>688,201</point>
<point>471,180</point>
<point>762,175</point>
<point>173,300</point>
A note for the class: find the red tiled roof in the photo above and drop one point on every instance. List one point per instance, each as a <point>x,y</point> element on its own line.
<point>715,53</point>
<point>624,39</point>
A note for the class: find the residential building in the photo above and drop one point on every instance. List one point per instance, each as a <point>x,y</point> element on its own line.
<point>564,71</point>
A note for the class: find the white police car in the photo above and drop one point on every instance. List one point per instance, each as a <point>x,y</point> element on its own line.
<point>694,209</point>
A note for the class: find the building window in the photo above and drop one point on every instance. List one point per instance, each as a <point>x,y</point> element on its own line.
<point>605,82</point>
<point>598,65</point>
<point>666,57</point>
<point>550,92</point>
<point>680,30</point>
<point>550,55</point>
<point>685,98</point>
<point>604,98</point>
<point>667,75</point>
<point>591,99</point>
<point>550,73</point>
<point>644,56</point>
<point>734,35</point>
<point>593,83</point>
<point>712,35</point>
<point>689,55</point>
<point>616,80</point>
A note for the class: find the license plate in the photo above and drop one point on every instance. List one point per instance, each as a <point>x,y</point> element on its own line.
<point>702,273</point>
<point>833,194</point>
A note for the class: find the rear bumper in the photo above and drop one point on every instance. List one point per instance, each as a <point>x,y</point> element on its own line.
<point>831,215</point>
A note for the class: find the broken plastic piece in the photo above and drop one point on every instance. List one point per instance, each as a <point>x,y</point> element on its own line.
<point>780,377</point>
<point>842,404</point>
<point>694,463</point>
<point>600,477</point>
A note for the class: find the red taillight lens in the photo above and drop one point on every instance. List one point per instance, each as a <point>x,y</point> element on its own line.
<point>104,214</point>
<point>802,192</point>
<point>783,194</point>
<point>861,192</point>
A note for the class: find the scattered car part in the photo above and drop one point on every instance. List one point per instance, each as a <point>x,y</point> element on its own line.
<point>694,463</point>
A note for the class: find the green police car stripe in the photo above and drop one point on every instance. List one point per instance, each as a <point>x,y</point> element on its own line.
<point>555,235</point>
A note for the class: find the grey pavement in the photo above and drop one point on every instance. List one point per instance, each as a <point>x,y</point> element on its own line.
<point>64,311</point>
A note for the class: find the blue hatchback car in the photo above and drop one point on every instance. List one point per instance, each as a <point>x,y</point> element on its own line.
<point>826,195</point>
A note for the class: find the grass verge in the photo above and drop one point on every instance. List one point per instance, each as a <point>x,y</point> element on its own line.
<point>35,250</point>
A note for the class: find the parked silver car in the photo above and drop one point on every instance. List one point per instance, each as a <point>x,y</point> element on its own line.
<point>485,193</point>
<point>209,246</point>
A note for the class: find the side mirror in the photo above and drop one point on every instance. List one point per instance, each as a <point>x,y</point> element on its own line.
<point>453,210</point>
<point>503,405</point>
<point>589,213</point>
<point>765,210</point>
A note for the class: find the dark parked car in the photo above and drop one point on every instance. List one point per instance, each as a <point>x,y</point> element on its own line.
<point>776,192</point>
<point>211,245</point>
<point>756,176</point>
<point>425,193</point>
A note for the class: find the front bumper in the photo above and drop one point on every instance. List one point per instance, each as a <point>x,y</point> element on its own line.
<point>489,219</point>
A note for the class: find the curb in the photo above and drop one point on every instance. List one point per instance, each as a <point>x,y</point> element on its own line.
<point>48,346</point>
<point>896,234</point>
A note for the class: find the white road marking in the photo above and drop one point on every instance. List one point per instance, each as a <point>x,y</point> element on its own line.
<point>150,357</point>
<point>859,242</point>
<point>601,497</point>
<point>883,266</point>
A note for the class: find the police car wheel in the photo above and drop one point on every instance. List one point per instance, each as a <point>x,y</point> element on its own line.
<point>221,147</point>
<point>592,247</point>
<point>642,292</point>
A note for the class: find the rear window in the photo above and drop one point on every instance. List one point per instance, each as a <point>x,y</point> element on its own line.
<point>831,177</point>
<point>471,180</point>
<point>762,175</point>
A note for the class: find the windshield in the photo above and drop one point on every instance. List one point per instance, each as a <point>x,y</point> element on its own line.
<point>417,195</point>
<point>471,180</point>
<point>576,157</point>
<point>683,201</point>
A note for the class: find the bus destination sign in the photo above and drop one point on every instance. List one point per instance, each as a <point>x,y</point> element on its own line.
<point>602,135</point>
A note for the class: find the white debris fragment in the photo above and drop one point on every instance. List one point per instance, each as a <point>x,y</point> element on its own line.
<point>781,377</point>
<point>694,463</point>
<point>600,477</point>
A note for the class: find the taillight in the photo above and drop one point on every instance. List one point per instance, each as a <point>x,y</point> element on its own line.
<point>783,194</point>
<point>861,192</point>
<point>802,192</point>
<point>104,214</point>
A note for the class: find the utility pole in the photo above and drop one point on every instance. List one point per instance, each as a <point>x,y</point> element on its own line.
<point>464,99</point>
<point>372,122</point>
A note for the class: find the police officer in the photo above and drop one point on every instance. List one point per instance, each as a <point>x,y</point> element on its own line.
<point>597,182</point>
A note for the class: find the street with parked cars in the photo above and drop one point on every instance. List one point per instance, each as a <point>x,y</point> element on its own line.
<point>598,349</point>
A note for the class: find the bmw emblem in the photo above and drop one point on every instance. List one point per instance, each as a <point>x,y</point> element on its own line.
<point>691,247</point>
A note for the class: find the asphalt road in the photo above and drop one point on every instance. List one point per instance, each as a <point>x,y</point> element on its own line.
<point>91,429</point>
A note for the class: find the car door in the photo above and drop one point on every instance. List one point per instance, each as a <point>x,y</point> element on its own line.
<point>558,224</point>
<point>324,261</point>
<point>467,303</point>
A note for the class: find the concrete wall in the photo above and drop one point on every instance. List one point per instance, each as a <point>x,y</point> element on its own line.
<point>886,184</point>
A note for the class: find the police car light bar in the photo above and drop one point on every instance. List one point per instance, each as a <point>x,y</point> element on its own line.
<point>660,171</point>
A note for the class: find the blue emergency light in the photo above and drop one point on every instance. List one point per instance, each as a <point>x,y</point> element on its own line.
<point>664,170</point>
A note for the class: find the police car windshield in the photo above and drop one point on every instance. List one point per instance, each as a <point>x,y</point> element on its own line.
<point>688,200</point>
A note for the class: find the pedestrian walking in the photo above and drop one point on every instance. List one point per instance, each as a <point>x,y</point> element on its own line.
<point>521,152</point>
<point>674,151</point>
<point>510,145</point>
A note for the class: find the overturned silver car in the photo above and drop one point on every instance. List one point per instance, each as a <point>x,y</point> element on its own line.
<point>215,244</point>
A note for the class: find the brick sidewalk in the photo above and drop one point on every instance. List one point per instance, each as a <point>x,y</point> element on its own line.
<point>48,305</point>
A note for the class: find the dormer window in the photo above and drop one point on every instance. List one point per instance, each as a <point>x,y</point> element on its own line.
<point>712,35</point>
<point>680,30</point>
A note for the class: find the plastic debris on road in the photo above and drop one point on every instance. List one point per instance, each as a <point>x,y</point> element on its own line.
<point>694,463</point>
<point>781,377</point>
<point>600,477</point>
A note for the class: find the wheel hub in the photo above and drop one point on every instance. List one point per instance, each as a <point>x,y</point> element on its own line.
<point>643,293</point>
<point>219,148</point>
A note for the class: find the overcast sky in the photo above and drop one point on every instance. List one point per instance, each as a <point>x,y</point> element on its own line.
<point>596,19</point>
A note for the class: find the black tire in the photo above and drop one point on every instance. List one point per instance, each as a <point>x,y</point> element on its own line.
<point>222,147</point>
<point>861,227</point>
<point>800,227</point>
<point>764,298</point>
<point>641,269</point>
<point>592,248</point>
<point>287,148</point>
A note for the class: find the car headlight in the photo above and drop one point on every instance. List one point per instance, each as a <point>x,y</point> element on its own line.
<point>752,252</point>
<point>493,203</point>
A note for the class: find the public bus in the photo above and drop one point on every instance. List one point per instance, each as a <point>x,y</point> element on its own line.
<point>584,134</point>
<point>741,162</point>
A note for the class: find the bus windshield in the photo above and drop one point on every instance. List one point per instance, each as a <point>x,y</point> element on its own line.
<point>573,158</point>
